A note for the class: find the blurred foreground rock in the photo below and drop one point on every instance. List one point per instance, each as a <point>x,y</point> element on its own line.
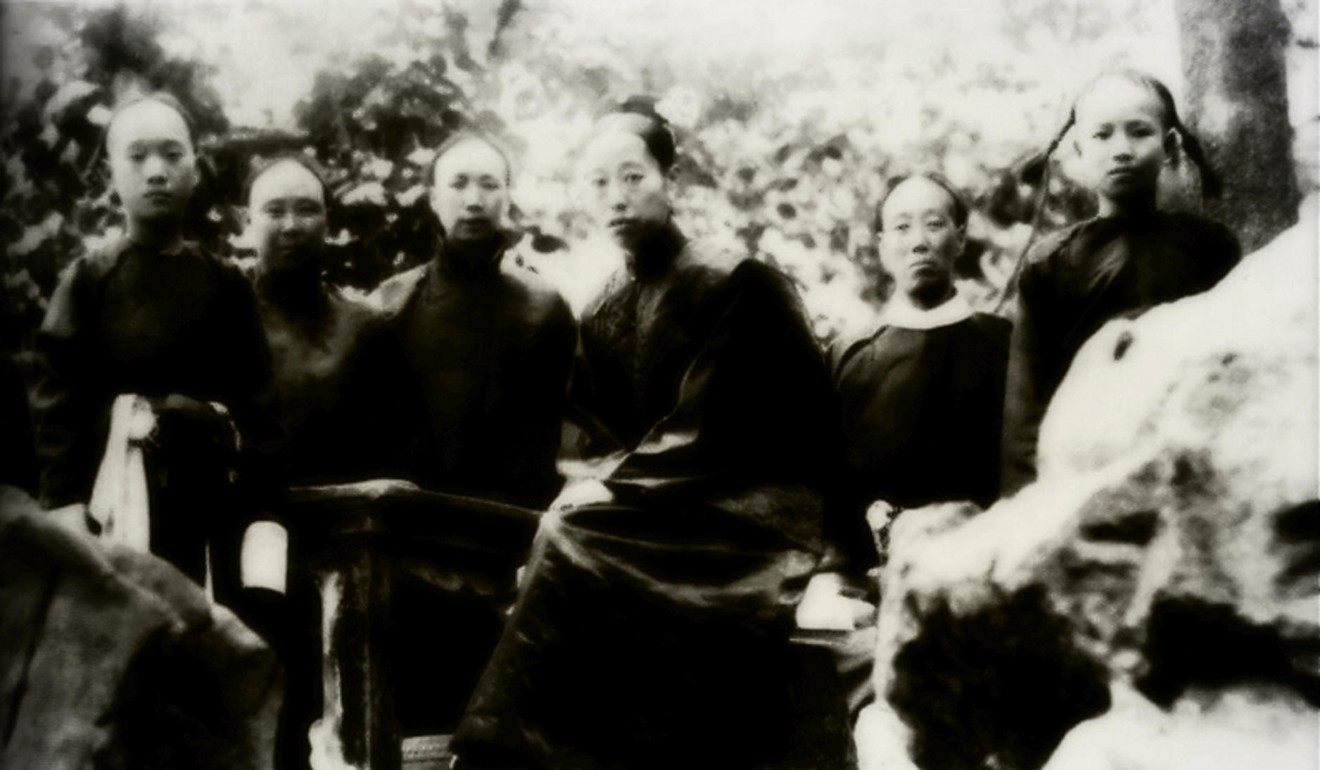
<point>112,659</point>
<point>1160,578</point>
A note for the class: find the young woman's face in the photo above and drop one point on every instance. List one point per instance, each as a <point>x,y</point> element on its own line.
<point>151,159</point>
<point>920,239</point>
<point>469,192</point>
<point>286,210</point>
<point>1121,138</point>
<point>623,190</point>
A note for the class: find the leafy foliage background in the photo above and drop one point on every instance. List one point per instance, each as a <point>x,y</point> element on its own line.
<point>790,116</point>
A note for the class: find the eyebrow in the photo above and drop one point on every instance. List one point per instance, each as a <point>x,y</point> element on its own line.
<point>134,144</point>
<point>295,198</point>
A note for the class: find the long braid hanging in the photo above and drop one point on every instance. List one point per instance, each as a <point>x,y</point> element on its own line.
<point>1039,212</point>
<point>1211,186</point>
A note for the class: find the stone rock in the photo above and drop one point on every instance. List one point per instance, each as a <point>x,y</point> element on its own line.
<point>110,658</point>
<point>1171,542</point>
<point>1239,727</point>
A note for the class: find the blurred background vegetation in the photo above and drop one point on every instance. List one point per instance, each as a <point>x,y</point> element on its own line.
<point>790,115</point>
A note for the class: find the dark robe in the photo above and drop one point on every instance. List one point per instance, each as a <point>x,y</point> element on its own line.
<point>18,458</point>
<point>489,347</point>
<point>921,411</point>
<point>652,631</point>
<point>1077,280</point>
<point>484,352</point>
<point>327,393</point>
<point>129,320</point>
<point>330,397</point>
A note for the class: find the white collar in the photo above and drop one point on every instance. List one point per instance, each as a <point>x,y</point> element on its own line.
<point>900,312</point>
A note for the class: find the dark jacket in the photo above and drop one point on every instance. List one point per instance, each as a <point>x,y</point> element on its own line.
<point>1080,278</point>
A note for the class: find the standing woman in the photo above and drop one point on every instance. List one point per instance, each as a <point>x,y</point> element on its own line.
<point>149,314</point>
<point>486,348</point>
<point>325,348</point>
<point>489,344</point>
<point>652,626</point>
<point>1127,259</point>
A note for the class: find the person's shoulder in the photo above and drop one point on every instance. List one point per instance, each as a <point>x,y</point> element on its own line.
<point>994,324</point>
<point>996,329</point>
<point>1197,224</point>
<point>706,267</point>
<point>846,346</point>
<point>1211,239</point>
<point>228,271</point>
<point>100,259</point>
<point>707,259</point>
<point>393,294</point>
<point>1053,246</point>
<point>542,300</point>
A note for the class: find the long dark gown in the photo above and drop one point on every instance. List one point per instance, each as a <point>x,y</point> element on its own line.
<point>329,397</point>
<point>1077,280</point>
<point>127,319</point>
<point>486,349</point>
<point>652,631</point>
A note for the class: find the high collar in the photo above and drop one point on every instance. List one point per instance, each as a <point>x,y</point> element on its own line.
<point>298,291</point>
<point>656,252</point>
<point>471,260</point>
<point>900,312</point>
<point>124,244</point>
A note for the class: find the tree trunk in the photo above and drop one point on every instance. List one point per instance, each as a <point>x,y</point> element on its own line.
<point>1237,104</point>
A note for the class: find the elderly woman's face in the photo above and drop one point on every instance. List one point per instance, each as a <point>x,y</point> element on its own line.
<point>469,194</point>
<point>623,189</point>
<point>921,239</point>
<point>287,221</point>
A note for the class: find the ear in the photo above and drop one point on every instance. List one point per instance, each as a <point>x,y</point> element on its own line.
<point>1173,147</point>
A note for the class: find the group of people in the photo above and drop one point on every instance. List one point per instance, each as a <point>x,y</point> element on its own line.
<point>722,461</point>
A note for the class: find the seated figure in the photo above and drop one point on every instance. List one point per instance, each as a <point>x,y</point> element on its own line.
<point>653,621</point>
<point>921,395</point>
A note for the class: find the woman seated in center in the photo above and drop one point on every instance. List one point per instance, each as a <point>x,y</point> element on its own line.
<point>652,625</point>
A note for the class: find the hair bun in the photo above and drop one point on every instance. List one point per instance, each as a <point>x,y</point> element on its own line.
<point>637,115</point>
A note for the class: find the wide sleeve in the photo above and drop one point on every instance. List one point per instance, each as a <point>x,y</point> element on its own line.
<point>754,406</point>
<point>1026,390</point>
<point>68,397</point>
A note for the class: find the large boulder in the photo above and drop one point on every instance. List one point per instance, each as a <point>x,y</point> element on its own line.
<point>111,658</point>
<point>1171,545</point>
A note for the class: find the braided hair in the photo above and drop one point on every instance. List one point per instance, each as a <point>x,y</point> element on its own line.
<point>1211,187</point>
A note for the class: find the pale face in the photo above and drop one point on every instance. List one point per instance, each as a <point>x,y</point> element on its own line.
<point>1121,139</point>
<point>152,164</point>
<point>286,216</point>
<point>622,188</point>
<point>469,194</point>
<point>920,239</point>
